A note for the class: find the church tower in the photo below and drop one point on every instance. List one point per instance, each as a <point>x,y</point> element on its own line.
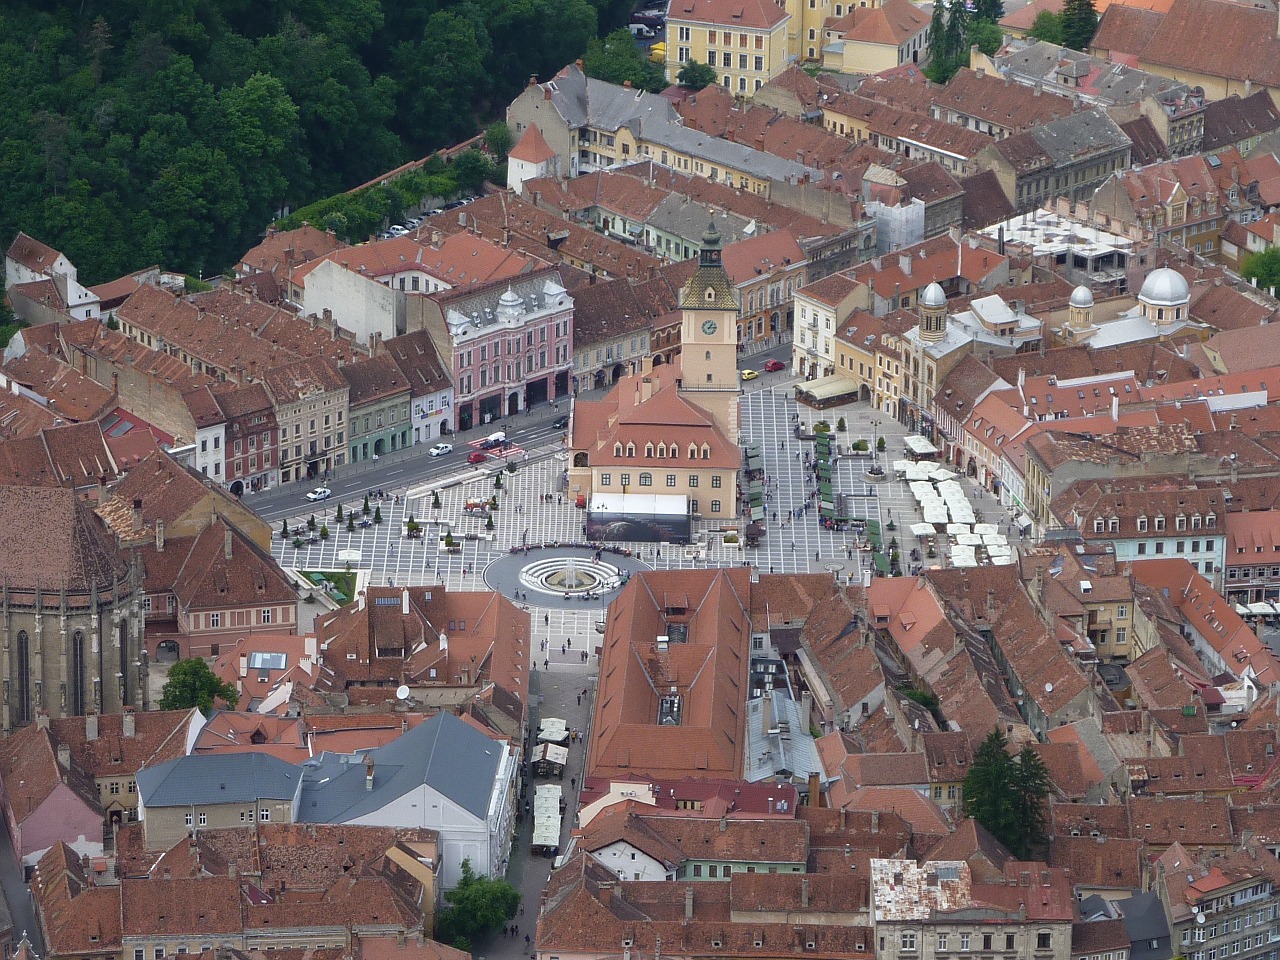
<point>933,314</point>
<point>709,338</point>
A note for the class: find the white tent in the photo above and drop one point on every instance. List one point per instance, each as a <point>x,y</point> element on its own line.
<point>957,528</point>
<point>999,550</point>
<point>941,474</point>
<point>1001,561</point>
<point>923,529</point>
<point>553,730</point>
<point>990,538</point>
<point>1262,608</point>
<point>968,540</point>
<point>935,514</point>
<point>986,528</point>
<point>902,466</point>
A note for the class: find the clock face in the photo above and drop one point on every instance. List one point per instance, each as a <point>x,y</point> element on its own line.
<point>709,327</point>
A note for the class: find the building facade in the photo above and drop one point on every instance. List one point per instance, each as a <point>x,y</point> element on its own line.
<point>746,42</point>
<point>311,402</point>
<point>380,408</point>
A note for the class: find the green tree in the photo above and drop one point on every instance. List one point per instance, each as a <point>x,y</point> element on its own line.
<point>366,504</point>
<point>324,532</point>
<point>377,514</point>
<point>435,499</point>
<point>284,529</point>
<point>956,32</point>
<point>498,138</point>
<point>478,906</point>
<point>986,36</point>
<point>938,31</point>
<point>351,522</point>
<point>192,684</point>
<point>1047,26</point>
<point>988,11</point>
<point>880,444</point>
<point>311,522</point>
<point>1079,23</point>
<point>618,58</point>
<point>338,515</point>
<point>1263,267</point>
<point>471,169</point>
<point>696,75</point>
<point>1030,791</point>
<point>488,522</point>
<point>988,789</point>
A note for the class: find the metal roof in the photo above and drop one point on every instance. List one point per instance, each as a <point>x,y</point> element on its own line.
<point>218,778</point>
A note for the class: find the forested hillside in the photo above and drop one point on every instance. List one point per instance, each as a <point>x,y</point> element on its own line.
<point>169,131</point>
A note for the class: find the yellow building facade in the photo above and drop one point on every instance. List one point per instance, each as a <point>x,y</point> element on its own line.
<point>744,40</point>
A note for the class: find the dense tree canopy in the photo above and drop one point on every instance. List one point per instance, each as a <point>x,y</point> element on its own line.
<point>192,684</point>
<point>136,131</point>
<point>1263,267</point>
<point>477,906</point>
<point>1007,795</point>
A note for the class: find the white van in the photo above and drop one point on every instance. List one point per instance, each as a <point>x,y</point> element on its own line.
<point>641,32</point>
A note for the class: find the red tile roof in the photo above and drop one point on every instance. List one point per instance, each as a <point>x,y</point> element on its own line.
<point>749,14</point>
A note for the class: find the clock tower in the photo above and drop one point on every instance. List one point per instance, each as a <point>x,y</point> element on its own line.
<point>709,338</point>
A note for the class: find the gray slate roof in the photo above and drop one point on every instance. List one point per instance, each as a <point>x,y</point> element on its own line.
<point>444,753</point>
<point>724,154</point>
<point>1116,83</point>
<point>688,219</point>
<point>1080,135</point>
<point>582,102</point>
<point>218,778</point>
<point>1145,921</point>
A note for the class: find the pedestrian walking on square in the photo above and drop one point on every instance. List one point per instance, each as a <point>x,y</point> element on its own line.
<point>579,699</point>
<point>546,664</point>
<point>562,649</point>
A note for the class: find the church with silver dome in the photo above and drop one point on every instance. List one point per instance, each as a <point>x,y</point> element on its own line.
<point>1163,310</point>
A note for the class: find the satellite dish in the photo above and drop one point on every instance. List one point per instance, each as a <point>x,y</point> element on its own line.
<point>1200,918</point>
<point>402,692</point>
<point>1048,688</point>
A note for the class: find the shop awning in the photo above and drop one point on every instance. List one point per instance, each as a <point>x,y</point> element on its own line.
<point>881,562</point>
<point>827,388</point>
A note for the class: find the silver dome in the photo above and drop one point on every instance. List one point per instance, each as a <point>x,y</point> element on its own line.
<point>1165,288</point>
<point>933,296</point>
<point>1082,297</point>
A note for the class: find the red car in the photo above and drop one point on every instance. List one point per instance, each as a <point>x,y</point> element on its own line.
<point>773,366</point>
<point>475,456</point>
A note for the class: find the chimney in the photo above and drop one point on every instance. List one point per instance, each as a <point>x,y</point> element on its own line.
<point>42,720</point>
<point>159,536</point>
<point>404,602</point>
<point>64,756</point>
<point>688,903</point>
<point>129,723</point>
<point>804,891</point>
<point>626,84</point>
<point>91,726</point>
<point>226,543</point>
<point>137,515</point>
<point>606,893</point>
<point>368,773</point>
<point>724,823</point>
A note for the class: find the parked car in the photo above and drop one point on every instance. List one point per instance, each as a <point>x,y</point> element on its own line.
<point>453,205</point>
<point>749,374</point>
<point>773,366</point>
<point>398,231</point>
<point>440,449</point>
<point>412,221</point>
<point>560,423</point>
<point>653,21</point>
<point>640,31</point>
<point>494,440</point>
<point>475,456</point>
<point>319,493</point>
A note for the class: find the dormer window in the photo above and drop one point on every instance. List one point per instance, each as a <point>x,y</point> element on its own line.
<point>693,451</point>
<point>1210,521</point>
<point>1180,522</point>
<point>1160,523</point>
<point>675,451</point>
<point>1195,521</point>
<point>1142,524</point>
<point>706,453</point>
<point>1097,524</point>
<point>631,449</point>
<point>711,294</point>
<point>662,451</point>
<point>648,450</point>
<point>617,449</point>
<point>1113,525</point>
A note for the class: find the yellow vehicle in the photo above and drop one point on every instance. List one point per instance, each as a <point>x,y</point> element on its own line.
<point>658,53</point>
<point>749,374</point>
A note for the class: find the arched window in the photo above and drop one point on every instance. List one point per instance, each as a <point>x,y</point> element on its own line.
<point>711,294</point>
<point>580,459</point>
<point>646,479</point>
<point>708,354</point>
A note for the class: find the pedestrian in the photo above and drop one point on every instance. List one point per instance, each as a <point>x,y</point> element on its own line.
<point>570,642</point>
<point>815,554</point>
<point>506,931</point>
<point>573,783</point>
<point>546,619</point>
<point>579,699</point>
<point>546,664</point>
<point>562,649</point>
<point>526,936</point>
